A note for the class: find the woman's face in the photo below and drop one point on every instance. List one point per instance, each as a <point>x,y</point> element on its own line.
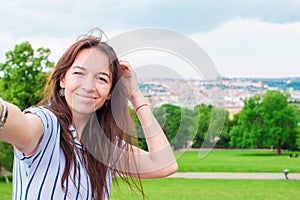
<point>87,82</point>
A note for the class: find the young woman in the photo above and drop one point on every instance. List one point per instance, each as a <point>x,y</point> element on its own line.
<point>72,145</point>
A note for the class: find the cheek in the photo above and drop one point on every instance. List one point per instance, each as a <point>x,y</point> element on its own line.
<point>103,90</point>
<point>70,89</point>
<point>73,84</point>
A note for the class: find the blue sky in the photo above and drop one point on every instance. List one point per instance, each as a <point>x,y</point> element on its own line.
<point>244,38</point>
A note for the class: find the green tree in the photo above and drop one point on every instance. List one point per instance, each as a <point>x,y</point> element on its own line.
<point>186,130</point>
<point>204,115</point>
<point>141,143</point>
<point>169,117</point>
<point>23,77</point>
<point>297,130</point>
<point>177,123</point>
<point>279,119</point>
<point>25,73</point>
<point>265,121</point>
<point>248,130</point>
<point>212,126</point>
<point>6,156</point>
<point>224,121</point>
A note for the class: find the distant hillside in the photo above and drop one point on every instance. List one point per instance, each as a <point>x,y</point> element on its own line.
<point>284,83</point>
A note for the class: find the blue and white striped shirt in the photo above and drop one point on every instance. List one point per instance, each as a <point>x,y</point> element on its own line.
<point>39,176</point>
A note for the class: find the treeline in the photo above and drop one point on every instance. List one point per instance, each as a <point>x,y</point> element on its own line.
<point>266,120</point>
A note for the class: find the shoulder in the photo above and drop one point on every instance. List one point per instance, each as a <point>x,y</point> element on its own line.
<point>47,118</point>
<point>41,111</point>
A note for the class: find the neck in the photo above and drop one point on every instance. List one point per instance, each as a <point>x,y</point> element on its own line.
<point>79,122</point>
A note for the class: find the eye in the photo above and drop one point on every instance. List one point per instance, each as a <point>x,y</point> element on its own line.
<point>102,79</point>
<point>78,73</point>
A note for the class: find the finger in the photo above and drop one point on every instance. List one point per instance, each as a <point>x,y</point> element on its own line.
<point>126,67</point>
<point>125,64</point>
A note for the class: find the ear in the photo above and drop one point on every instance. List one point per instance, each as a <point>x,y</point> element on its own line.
<point>62,82</point>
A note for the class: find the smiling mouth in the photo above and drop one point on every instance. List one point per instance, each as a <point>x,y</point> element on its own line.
<point>87,96</point>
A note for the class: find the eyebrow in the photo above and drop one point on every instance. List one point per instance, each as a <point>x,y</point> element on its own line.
<point>84,69</point>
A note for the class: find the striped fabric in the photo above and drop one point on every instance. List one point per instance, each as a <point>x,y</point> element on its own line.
<point>39,176</point>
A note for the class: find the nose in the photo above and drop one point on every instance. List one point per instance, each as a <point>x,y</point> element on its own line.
<point>88,84</point>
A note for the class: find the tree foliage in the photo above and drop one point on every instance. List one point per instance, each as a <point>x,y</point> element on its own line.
<point>178,123</point>
<point>24,75</point>
<point>248,128</point>
<point>6,156</point>
<point>297,129</point>
<point>265,121</point>
<point>22,80</point>
<point>203,123</point>
<point>213,124</point>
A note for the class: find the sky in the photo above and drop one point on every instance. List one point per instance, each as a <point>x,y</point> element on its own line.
<point>243,38</point>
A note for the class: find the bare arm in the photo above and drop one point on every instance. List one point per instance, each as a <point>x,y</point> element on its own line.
<point>24,131</point>
<point>159,161</point>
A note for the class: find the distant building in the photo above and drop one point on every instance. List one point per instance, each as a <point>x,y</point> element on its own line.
<point>225,92</point>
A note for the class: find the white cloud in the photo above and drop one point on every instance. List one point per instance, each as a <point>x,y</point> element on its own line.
<point>55,44</point>
<point>252,48</point>
<point>239,48</point>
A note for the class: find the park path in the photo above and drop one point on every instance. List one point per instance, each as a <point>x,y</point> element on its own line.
<point>235,175</point>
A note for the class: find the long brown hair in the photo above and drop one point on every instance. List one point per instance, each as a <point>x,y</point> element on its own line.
<point>102,134</point>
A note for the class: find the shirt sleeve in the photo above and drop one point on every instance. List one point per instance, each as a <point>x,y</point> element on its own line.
<point>51,132</point>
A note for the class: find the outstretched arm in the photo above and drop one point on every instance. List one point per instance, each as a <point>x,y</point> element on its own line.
<point>24,131</point>
<point>159,161</point>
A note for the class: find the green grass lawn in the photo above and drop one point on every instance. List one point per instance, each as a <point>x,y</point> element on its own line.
<point>216,161</point>
<point>5,190</point>
<point>194,189</point>
<point>204,189</point>
<point>237,161</point>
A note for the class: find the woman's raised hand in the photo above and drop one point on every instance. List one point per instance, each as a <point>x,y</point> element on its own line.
<point>130,80</point>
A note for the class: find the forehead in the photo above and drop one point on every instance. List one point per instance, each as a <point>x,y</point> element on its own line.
<point>92,59</point>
